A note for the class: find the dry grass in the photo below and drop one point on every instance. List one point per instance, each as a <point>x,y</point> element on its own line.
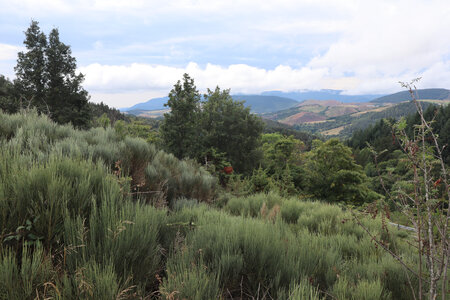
<point>153,113</point>
<point>441,102</point>
<point>316,122</point>
<point>334,131</point>
<point>377,109</point>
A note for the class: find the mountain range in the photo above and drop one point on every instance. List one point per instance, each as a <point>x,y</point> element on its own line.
<point>265,102</point>
<point>326,112</point>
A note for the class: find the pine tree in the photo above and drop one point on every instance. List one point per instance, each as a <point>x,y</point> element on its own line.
<point>180,130</point>
<point>46,78</point>
<point>31,67</point>
<point>66,97</point>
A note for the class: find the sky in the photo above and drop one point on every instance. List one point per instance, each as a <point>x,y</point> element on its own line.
<point>134,50</point>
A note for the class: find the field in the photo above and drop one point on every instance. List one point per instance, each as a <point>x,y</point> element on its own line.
<point>334,131</point>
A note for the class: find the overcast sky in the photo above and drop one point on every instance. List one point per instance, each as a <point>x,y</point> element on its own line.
<point>134,50</point>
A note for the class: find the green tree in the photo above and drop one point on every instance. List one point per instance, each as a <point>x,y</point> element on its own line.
<point>333,174</point>
<point>8,100</point>
<point>180,128</point>
<point>31,67</point>
<point>280,151</point>
<point>46,78</point>
<point>65,96</point>
<point>230,128</point>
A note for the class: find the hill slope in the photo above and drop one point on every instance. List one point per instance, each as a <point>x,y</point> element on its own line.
<point>322,95</point>
<point>258,104</point>
<point>435,94</point>
<point>262,104</point>
<point>152,104</point>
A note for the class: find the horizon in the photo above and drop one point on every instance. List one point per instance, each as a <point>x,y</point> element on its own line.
<point>135,51</point>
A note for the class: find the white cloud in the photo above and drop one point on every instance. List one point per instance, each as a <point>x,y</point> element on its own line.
<point>241,78</point>
<point>9,52</point>
<point>357,45</point>
<point>387,38</point>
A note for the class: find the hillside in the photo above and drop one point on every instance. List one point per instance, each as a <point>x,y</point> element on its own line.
<point>152,104</point>
<point>335,118</point>
<point>345,125</point>
<point>311,111</point>
<point>323,95</point>
<point>263,104</point>
<point>435,94</point>
<point>258,104</point>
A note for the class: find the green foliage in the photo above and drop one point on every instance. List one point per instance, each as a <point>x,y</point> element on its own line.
<point>103,121</point>
<point>31,67</point>
<point>46,78</point>
<point>189,281</point>
<point>179,130</point>
<point>306,138</point>
<point>75,224</point>
<point>98,109</point>
<point>265,256</point>
<point>24,282</point>
<point>8,98</point>
<point>217,125</point>
<point>230,128</point>
<point>280,151</point>
<point>333,174</point>
<point>140,129</point>
<point>170,179</point>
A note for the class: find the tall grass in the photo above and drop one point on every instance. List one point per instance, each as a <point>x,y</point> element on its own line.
<point>76,224</point>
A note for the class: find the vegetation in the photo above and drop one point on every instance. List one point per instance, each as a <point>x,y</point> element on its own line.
<point>70,214</point>
<point>46,78</point>
<point>218,126</point>
<point>227,212</point>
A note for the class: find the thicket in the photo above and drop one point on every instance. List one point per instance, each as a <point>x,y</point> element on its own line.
<point>76,222</point>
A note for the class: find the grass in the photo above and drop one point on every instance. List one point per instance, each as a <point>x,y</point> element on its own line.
<point>73,226</point>
<point>334,131</point>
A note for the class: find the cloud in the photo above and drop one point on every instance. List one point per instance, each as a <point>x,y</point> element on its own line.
<point>240,78</point>
<point>390,38</point>
<point>9,52</point>
<point>142,47</point>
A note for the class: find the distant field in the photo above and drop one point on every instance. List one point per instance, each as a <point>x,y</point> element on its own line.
<point>153,113</point>
<point>313,108</point>
<point>334,131</point>
<point>316,122</point>
<point>371,110</point>
<point>435,101</point>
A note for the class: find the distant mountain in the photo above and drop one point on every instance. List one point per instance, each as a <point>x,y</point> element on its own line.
<point>322,95</point>
<point>152,104</point>
<point>311,111</point>
<point>258,104</point>
<point>429,94</point>
<point>263,104</point>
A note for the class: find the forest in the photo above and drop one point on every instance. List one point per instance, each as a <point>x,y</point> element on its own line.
<point>211,202</point>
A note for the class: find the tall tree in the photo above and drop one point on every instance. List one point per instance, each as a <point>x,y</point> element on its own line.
<point>64,94</point>
<point>31,67</point>
<point>46,77</point>
<point>179,130</point>
<point>230,128</point>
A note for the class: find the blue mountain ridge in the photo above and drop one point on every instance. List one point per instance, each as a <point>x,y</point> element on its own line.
<point>267,101</point>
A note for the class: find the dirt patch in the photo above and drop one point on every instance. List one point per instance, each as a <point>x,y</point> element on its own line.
<point>303,117</point>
